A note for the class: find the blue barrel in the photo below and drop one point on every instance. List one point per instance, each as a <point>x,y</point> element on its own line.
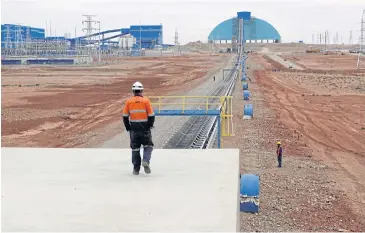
<point>246,94</point>
<point>250,185</point>
<point>248,110</point>
<point>249,193</point>
<point>245,86</point>
<point>244,78</point>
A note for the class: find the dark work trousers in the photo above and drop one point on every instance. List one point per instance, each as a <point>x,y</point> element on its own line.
<point>280,158</point>
<point>137,139</point>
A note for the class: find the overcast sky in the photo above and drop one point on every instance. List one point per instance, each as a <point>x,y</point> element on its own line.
<point>294,19</point>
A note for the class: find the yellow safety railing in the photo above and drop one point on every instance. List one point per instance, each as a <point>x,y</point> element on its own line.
<point>184,101</point>
<point>160,102</point>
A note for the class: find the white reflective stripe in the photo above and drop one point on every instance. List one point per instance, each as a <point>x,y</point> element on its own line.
<point>138,120</point>
<point>147,146</point>
<point>125,115</point>
<point>151,114</point>
<point>132,111</point>
<point>138,149</point>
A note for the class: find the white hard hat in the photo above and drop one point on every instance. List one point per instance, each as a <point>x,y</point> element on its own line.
<point>137,86</point>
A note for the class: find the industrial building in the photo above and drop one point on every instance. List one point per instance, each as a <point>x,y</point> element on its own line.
<point>146,36</point>
<point>12,34</point>
<point>254,30</point>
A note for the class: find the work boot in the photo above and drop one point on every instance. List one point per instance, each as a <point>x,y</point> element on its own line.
<point>146,167</point>
<point>135,172</point>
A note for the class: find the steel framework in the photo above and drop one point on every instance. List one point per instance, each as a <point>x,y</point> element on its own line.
<point>222,109</point>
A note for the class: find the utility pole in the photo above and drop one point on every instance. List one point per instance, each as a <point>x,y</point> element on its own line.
<point>361,59</point>
<point>176,41</point>
<point>350,39</point>
<point>320,38</point>
<point>89,29</point>
<point>325,41</point>
<point>99,44</point>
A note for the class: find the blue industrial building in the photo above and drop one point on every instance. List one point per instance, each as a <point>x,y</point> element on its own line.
<point>146,35</point>
<point>254,30</point>
<point>11,33</point>
<point>150,35</point>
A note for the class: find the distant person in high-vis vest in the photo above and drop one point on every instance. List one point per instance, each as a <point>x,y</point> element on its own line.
<point>279,153</point>
<point>138,118</point>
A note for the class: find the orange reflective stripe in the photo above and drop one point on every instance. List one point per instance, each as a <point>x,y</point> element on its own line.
<point>138,109</point>
<point>138,116</point>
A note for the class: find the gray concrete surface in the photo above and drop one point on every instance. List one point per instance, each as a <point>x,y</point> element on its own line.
<point>166,126</point>
<point>49,189</point>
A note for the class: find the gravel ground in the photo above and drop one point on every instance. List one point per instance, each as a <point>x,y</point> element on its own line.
<point>166,127</point>
<point>297,197</point>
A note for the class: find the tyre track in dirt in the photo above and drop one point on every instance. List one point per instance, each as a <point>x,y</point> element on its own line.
<point>349,164</point>
<point>292,98</point>
<point>295,114</point>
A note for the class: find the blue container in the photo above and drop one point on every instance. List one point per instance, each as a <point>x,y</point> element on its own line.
<point>246,94</point>
<point>61,61</point>
<point>11,62</point>
<point>249,193</point>
<point>248,110</point>
<point>36,62</point>
<point>250,185</point>
<point>245,86</point>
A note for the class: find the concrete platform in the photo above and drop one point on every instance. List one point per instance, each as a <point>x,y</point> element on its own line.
<point>94,190</point>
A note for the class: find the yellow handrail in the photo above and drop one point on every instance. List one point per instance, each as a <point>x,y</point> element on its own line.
<point>225,102</point>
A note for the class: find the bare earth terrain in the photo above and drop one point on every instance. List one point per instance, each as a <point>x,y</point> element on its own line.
<point>63,106</point>
<point>320,119</point>
<point>318,114</point>
<point>323,62</point>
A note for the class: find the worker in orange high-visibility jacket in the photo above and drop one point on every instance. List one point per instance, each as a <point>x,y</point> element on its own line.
<point>138,118</point>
